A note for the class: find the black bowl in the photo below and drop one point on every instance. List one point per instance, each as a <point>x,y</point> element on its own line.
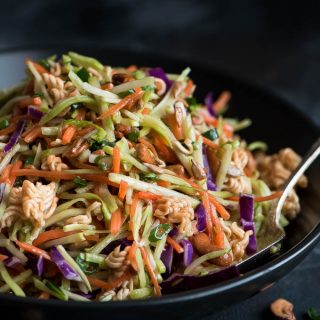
<point>274,121</point>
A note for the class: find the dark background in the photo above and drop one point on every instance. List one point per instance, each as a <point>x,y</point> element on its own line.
<point>275,44</point>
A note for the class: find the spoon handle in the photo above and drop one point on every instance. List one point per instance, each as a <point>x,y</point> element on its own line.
<point>308,159</point>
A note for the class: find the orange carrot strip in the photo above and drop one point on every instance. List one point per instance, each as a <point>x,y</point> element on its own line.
<point>34,250</point>
<point>211,120</point>
<point>147,195</point>
<point>174,126</point>
<point>110,284</point>
<point>175,245</point>
<point>218,237</point>
<point>17,165</point>
<point>68,134</point>
<point>34,101</point>
<point>187,90</point>
<point>228,130</point>
<point>3,257</point>
<point>51,235</point>
<point>128,100</point>
<point>132,256</point>
<point>164,184</point>
<point>222,100</point>
<point>145,111</point>
<point>7,130</point>
<point>272,196</point>
<point>150,271</point>
<point>64,175</point>
<point>220,208</point>
<point>5,177</point>
<point>132,68</point>
<point>132,210</point>
<point>38,66</point>
<point>209,143</point>
<point>32,134</point>
<point>149,146</point>
<point>165,153</point>
<point>92,237</point>
<point>123,188</point>
<point>206,204</point>
<point>116,160</point>
<point>44,295</point>
<point>116,222</point>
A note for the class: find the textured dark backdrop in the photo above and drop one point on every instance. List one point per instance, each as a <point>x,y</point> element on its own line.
<point>273,43</point>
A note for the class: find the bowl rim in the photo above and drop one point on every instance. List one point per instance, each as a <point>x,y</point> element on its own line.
<point>303,246</point>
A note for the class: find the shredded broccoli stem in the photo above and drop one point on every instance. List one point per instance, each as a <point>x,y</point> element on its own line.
<point>10,282</point>
<point>42,287</point>
<point>225,162</point>
<point>85,61</point>
<point>64,215</point>
<point>19,279</point>
<point>73,238</point>
<point>7,107</point>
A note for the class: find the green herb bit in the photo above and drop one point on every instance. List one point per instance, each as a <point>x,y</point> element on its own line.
<point>193,104</point>
<point>59,293</point>
<point>313,314</point>
<point>39,94</point>
<point>149,177</point>
<point>44,63</point>
<point>80,182</point>
<point>133,135</point>
<point>96,145</point>
<point>104,163</point>
<point>29,160</point>
<point>87,267</point>
<point>159,232</point>
<point>126,93</point>
<point>211,134</point>
<point>4,123</point>
<point>76,106</point>
<point>83,74</point>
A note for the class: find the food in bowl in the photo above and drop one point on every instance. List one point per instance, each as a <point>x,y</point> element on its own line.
<point>116,183</point>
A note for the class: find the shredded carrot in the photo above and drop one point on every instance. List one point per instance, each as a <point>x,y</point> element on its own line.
<point>132,210</point>
<point>32,134</point>
<point>17,165</point>
<point>227,130</point>
<point>165,153</point>
<point>206,204</point>
<point>68,134</point>
<point>175,245</point>
<point>132,256</point>
<point>38,66</point>
<point>116,160</point>
<point>164,184</point>
<point>7,130</point>
<point>110,284</point>
<point>34,250</point>
<point>116,222</point>
<point>132,68</point>
<point>220,208</point>
<point>51,235</point>
<point>145,111</point>
<point>272,196</point>
<point>150,271</point>
<point>209,143</point>
<point>147,195</point>
<point>123,188</point>
<point>188,89</point>
<point>211,120</point>
<point>218,238</point>
<point>221,102</point>
<point>149,146</point>
<point>107,86</point>
<point>5,177</point>
<point>32,101</point>
<point>92,237</point>
<point>3,257</point>
<point>64,175</point>
<point>126,101</point>
<point>44,295</point>
<point>174,126</point>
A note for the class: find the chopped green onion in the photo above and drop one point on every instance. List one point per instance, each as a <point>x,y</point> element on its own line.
<point>51,288</point>
<point>83,74</point>
<point>133,135</point>
<point>148,177</point>
<point>193,104</point>
<point>4,124</point>
<point>80,182</point>
<point>211,134</point>
<point>159,232</point>
<point>86,266</point>
<point>44,63</point>
<point>98,145</point>
<point>29,160</point>
<point>76,106</point>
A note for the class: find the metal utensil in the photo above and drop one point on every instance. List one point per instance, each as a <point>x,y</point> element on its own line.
<point>273,232</point>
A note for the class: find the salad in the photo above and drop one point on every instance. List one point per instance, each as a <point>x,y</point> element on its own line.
<point>117,183</point>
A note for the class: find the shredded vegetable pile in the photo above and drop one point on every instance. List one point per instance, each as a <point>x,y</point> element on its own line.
<point>116,183</point>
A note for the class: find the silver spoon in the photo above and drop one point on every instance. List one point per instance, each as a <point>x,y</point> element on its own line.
<point>274,232</point>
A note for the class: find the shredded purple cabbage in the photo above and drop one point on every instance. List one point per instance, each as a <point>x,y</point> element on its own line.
<point>208,101</point>
<point>159,73</point>
<point>67,271</point>
<point>167,258</point>
<point>40,266</point>
<point>246,207</point>
<point>187,251</point>
<point>34,113</point>
<point>15,136</point>
<point>201,217</point>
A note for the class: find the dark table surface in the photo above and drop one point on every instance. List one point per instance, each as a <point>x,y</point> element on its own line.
<point>275,44</point>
